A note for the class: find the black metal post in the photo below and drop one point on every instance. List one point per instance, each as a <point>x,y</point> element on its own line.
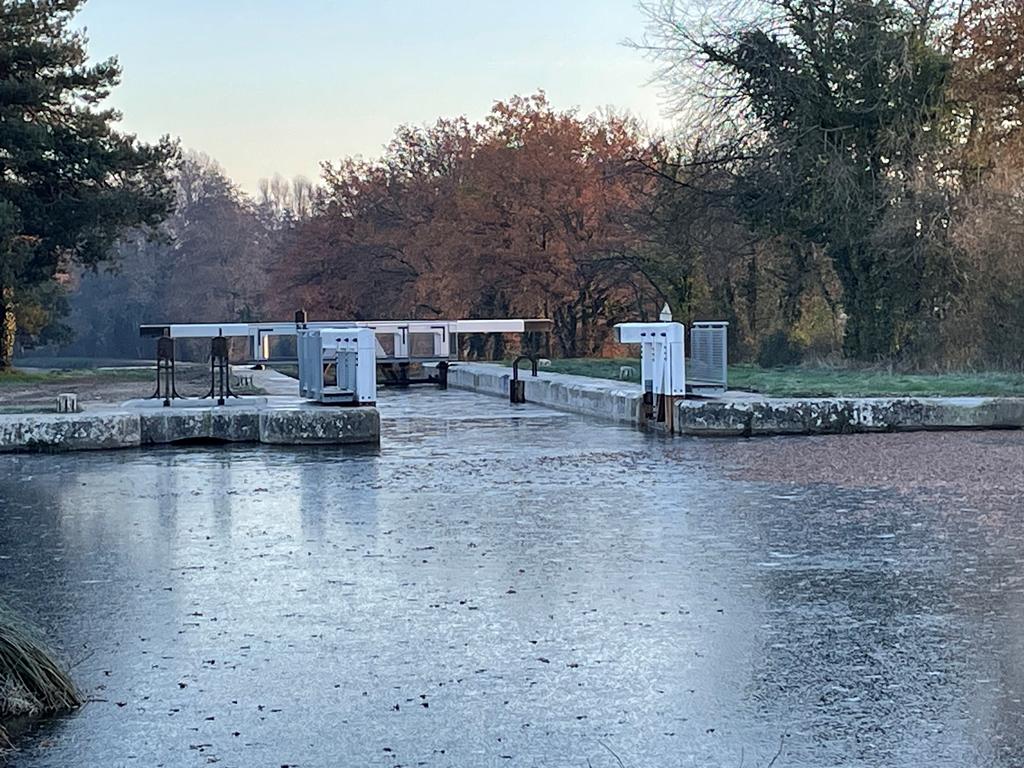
<point>517,388</point>
<point>220,370</point>
<point>165,386</point>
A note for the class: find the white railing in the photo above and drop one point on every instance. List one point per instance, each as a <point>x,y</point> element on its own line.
<point>396,340</point>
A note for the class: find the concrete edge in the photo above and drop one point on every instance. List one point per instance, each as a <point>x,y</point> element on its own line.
<point>600,398</point>
<point>749,416</point>
<point>831,416</point>
<point>69,432</point>
<point>133,429</point>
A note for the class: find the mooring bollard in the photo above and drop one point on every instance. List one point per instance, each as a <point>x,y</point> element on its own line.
<point>517,388</point>
<point>165,388</point>
<point>67,402</point>
<point>220,369</point>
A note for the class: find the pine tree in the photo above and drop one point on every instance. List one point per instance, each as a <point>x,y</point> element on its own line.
<point>70,184</point>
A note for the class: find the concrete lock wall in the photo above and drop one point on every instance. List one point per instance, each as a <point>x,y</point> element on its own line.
<point>847,415</point>
<point>743,414</point>
<point>576,394</point>
<point>69,432</point>
<point>308,425</point>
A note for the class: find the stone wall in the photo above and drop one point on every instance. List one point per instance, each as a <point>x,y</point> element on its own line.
<point>69,432</point>
<point>132,428</point>
<point>798,416</point>
<point>602,398</point>
<point>743,414</point>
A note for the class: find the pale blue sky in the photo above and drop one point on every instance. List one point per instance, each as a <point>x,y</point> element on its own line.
<point>279,85</point>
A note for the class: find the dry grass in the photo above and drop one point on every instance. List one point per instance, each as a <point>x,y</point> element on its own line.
<point>32,682</point>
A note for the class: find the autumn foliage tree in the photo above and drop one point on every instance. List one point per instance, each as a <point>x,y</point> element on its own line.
<point>525,213</point>
<point>841,107</point>
<point>986,157</point>
<point>845,184</point>
<point>987,44</point>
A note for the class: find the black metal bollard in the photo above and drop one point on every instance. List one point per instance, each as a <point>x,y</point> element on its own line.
<point>165,387</point>
<point>220,370</point>
<point>517,388</point>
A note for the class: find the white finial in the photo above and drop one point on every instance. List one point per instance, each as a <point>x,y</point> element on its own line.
<point>666,314</point>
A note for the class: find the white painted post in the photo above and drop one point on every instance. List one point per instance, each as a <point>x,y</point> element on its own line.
<point>676,360</point>
<point>67,402</point>
<point>646,364</point>
<point>311,373</point>
<point>402,343</point>
<point>440,342</point>
<point>366,366</point>
<point>662,361</point>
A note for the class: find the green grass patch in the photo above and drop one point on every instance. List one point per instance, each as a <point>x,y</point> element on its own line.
<point>22,376</point>
<point>79,363</point>
<point>598,368</point>
<point>820,381</point>
<point>868,382</point>
<point>15,409</point>
<point>12,377</point>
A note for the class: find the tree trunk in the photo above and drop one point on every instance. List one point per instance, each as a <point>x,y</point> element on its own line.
<point>870,328</point>
<point>8,327</point>
<point>870,322</point>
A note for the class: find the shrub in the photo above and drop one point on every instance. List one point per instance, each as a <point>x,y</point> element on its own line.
<point>778,349</point>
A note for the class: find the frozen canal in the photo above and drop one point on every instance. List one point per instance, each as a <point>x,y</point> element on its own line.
<point>529,590</point>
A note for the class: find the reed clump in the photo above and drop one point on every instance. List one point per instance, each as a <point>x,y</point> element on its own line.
<point>32,681</point>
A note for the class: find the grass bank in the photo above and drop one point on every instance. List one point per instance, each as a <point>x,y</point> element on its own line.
<point>27,390</point>
<point>22,376</point>
<point>69,362</point>
<point>820,381</point>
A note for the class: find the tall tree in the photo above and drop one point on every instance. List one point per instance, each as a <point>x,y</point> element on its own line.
<point>70,184</point>
<point>525,213</point>
<point>209,263</point>
<point>841,104</point>
<point>987,43</point>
